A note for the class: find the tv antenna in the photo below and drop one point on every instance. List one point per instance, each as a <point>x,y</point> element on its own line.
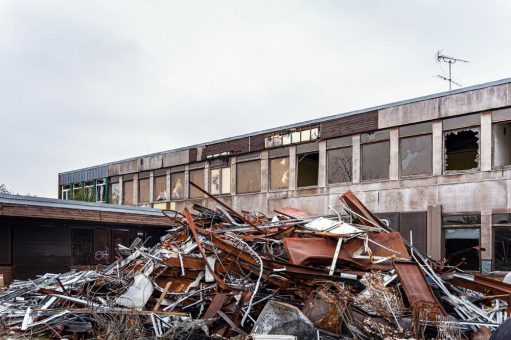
<point>449,60</point>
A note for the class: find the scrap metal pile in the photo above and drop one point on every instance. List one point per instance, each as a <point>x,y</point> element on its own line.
<point>223,274</point>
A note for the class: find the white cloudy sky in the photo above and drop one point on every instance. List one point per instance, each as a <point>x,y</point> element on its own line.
<point>88,82</point>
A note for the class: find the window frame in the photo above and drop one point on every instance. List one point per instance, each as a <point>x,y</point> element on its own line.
<point>475,226</point>
<point>270,173</point>
<point>444,154</point>
<point>493,126</point>
<point>430,134</point>
<point>297,171</point>
<point>328,166</point>
<point>220,180</point>
<point>383,140</point>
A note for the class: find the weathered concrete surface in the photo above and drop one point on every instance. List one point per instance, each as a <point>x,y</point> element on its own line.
<point>447,106</point>
<point>174,158</point>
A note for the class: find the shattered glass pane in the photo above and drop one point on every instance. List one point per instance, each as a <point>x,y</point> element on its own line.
<point>375,161</point>
<point>340,168</point>
<point>114,193</point>
<point>462,246</point>
<point>177,182</point>
<point>416,155</point>
<point>215,182</point>
<point>226,180</point>
<point>197,177</point>
<point>461,150</point>
<point>502,248</point>
<point>279,173</point>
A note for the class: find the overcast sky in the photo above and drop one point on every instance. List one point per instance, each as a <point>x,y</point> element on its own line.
<point>88,82</point>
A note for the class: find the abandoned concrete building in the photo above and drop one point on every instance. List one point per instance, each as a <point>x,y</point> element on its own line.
<point>436,167</point>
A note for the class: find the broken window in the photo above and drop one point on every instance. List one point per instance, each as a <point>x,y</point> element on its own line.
<point>220,180</point>
<point>197,177</point>
<point>416,155</point>
<point>100,190</point>
<point>160,188</point>
<point>375,160</point>
<point>127,192</point>
<point>78,192</point>
<point>502,241</point>
<point>66,192</point>
<point>248,177</point>
<point>339,165</point>
<point>300,135</point>
<point>177,181</point>
<point>461,235</point>
<point>114,193</point>
<point>89,191</point>
<point>279,173</point>
<point>461,149</point>
<point>143,190</point>
<point>502,144</point>
<point>307,169</point>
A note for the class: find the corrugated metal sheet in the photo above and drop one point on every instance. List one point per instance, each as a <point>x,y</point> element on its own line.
<point>83,175</point>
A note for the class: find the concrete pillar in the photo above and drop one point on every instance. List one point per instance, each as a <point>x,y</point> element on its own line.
<point>486,236</point>
<point>322,164</point>
<point>485,142</point>
<point>121,190</point>
<point>151,187</point>
<point>135,189</point>
<point>438,150</point>
<point>264,171</point>
<point>233,176</point>
<point>206,177</point>
<point>394,154</point>
<point>434,231</point>
<point>292,167</point>
<point>356,158</point>
<point>169,185</point>
<point>187,182</point>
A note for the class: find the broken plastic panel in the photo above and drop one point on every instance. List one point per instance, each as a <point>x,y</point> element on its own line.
<point>461,148</point>
<point>248,177</point>
<point>143,190</point>
<point>226,180</point>
<point>308,167</point>
<point>502,144</point>
<point>279,173</point>
<point>339,165</point>
<point>160,188</point>
<point>416,155</point>
<point>375,161</point>
<point>127,192</point>
<point>197,177</point>
<point>177,181</point>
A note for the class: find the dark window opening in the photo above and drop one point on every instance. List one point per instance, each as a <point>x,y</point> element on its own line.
<point>461,149</point>
<point>375,161</point>
<point>502,248</point>
<point>462,247</point>
<point>308,168</point>
<point>502,144</point>
<point>416,155</point>
<point>339,165</point>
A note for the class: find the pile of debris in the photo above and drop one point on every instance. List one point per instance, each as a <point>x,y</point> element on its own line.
<point>224,274</point>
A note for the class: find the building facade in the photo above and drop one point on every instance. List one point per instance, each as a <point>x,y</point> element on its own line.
<point>437,167</point>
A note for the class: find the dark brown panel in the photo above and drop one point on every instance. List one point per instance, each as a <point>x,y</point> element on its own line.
<point>417,223</point>
<point>5,244</point>
<point>257,143</point>
<point>192,155</point>
<point>143,191</point>
<point>235,146</point>
<point>392,218</point>
<point>102,246</point>
<point>350,125</point>
<point>82,241</point>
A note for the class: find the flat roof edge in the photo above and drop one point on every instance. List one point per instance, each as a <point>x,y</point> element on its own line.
<point>312,121</point>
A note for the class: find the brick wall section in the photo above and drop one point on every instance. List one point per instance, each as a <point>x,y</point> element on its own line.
<point>350,125</point>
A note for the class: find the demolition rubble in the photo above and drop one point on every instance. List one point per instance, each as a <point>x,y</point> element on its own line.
<point>225,274</point>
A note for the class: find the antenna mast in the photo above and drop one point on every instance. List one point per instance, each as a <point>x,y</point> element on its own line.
<point>449,60</point>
